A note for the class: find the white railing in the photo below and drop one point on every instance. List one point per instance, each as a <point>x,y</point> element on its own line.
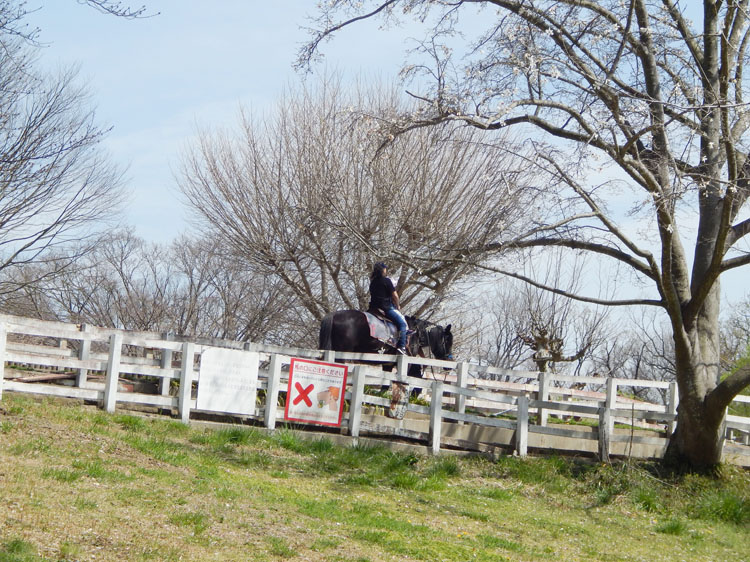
<point>465,409</point>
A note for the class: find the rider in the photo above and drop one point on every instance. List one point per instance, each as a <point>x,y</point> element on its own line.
<point>383,295</point>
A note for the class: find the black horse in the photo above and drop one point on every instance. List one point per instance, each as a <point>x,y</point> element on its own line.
<point>348,330</point>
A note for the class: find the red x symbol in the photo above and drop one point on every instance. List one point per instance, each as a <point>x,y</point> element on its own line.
<point>303,392</point>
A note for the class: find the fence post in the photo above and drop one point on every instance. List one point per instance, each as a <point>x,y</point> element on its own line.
<point>543,396</point>
<point>272,391</point>
<point>186,381</point>
<point>84,353</point>
<point>611,402</point>
<point>113,372</point>
<point>3,339</point>
<point>462,378</point>
<point>402,366</point>
<point>355,402</point>
<point>436,416</point>
<point>672,401</point>
<point>329,356</point>
<point>611,393</point>
<point>522,426</point>
<point>606,420</point>
<point>166,363</point>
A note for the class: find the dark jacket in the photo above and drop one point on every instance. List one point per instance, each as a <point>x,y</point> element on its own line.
<point>381,289</point>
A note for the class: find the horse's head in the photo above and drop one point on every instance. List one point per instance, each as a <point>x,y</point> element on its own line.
<point>441,342</point>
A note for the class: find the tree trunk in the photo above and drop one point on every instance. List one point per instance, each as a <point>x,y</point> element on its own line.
<point>698,439</point>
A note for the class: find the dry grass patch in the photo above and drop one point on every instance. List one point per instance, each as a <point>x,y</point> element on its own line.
<point>80,484</point>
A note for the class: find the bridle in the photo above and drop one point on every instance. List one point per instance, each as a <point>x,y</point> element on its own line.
<point>434,340</point>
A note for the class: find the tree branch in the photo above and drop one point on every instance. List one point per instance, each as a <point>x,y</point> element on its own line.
<point>734,263</point>
<point>721,396</point>
<point>589,247</point>
<point>118,9</point>
<point>570,295</point>
<point>738,231</point>
<point>307,52</point>
<point>608,224</point>
<point>687,34</point>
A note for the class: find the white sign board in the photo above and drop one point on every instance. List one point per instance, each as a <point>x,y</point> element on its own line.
<point>316,392</point>
<point>228,381</point>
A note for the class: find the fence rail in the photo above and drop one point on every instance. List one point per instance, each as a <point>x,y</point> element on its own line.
<point>463,409</point>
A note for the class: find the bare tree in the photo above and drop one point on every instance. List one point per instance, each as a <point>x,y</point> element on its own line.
<point>191,287</point>
<point>55,184</point>
<point>307,197</point>
<point>634,86</point>
<point>497,322</point>
<point>219,296</point>
<point>122,283</point>
<point>558,329</point>
<point>640,347</point>
<point>539,329</point>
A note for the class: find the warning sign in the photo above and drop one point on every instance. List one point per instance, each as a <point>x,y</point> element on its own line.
<point>316,392</point>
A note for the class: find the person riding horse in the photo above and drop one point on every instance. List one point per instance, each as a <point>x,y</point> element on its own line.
<point>383,296</point>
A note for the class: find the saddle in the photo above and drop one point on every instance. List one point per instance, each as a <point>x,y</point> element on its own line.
<point>382,328</point>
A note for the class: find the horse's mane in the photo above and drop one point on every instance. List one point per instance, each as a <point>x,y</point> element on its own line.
<point>422,327</point>
<point>421,323</point>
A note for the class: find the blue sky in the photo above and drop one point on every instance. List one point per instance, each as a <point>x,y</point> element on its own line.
<point>155,81</point>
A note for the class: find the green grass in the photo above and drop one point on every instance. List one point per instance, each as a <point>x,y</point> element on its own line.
<point>82,484</point>
<point>198,522</point>
<point>18,550</point>
<point>674,526</point>
<point>723,505</point>
<point>278,546</point>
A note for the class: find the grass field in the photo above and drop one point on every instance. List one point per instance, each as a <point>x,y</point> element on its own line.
<point>81,484</point>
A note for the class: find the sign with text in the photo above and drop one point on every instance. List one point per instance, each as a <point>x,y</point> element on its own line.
<point>228,381</point>
<point>316,392</point>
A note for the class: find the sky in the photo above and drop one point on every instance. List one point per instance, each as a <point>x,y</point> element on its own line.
<point>157,81</point>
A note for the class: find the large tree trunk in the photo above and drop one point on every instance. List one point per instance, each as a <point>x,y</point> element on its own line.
<point>698,439</point>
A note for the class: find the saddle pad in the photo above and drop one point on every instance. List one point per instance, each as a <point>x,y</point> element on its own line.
<point>381,329</point>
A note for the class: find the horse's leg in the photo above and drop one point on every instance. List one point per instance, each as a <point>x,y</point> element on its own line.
<point>388,368</point>
<point>415,371</point>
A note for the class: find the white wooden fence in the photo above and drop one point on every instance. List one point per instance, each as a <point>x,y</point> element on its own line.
<point>465,409</point>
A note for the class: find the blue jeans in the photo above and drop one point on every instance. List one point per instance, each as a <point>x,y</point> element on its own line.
<point>398,319</point>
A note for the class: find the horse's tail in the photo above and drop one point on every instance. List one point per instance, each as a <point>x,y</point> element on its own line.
<point>324,337</point>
